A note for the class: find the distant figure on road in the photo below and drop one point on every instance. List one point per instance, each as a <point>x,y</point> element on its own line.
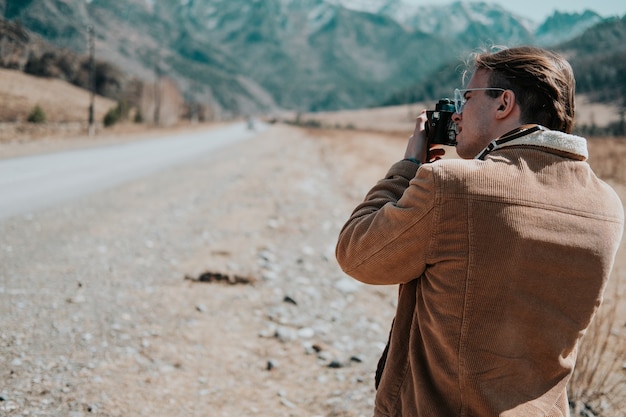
<point>501,257</point>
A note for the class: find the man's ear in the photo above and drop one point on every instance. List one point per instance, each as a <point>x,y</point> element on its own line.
<point>506,104</point>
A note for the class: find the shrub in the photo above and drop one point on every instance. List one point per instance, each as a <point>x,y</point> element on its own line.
<point>112,116</point>
<point>138,117</point>
<point>117,113</point>
<point>37,115</point>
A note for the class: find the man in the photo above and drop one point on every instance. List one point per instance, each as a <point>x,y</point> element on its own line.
<point>501,260</point>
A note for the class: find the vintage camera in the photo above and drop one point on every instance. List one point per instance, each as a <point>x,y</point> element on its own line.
<point>440,129</point>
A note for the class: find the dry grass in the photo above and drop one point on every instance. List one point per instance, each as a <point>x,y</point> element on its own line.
<point>61,101</point>
<point>402,118</point>
<point>607,156</point>
<point>66,106</point>
<point>598,386</point>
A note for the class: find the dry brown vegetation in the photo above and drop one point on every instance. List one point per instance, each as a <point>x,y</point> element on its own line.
<point>65,106</point>
<point>61,101</point>
<point>598,386</point>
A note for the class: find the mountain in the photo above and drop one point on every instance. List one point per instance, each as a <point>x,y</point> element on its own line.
<point>462,21</point>
<point>561,27</point>
<point>598,58</point>
<point>249,56</point>
<point>301,52</point>
<point>465,22</point>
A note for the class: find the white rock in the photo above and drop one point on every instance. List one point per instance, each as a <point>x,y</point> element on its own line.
<point>306,333</point>
<point>347,285</point>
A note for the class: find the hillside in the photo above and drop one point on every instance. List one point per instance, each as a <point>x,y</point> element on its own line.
<point>61,101</point>
<point>65,106</point>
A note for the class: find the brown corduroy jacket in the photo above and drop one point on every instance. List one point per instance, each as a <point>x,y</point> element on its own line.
<point>501,262</point>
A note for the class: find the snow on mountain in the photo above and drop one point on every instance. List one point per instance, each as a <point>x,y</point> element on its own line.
<point>452,18</point>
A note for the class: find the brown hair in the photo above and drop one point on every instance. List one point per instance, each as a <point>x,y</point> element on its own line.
<point>543,83</point>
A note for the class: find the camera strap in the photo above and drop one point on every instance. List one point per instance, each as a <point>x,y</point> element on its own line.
<point>507,137</point>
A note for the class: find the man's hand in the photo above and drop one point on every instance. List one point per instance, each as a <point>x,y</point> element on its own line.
<point>418,147</point>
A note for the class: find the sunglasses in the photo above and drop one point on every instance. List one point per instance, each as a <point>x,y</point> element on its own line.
<point>459,96</point>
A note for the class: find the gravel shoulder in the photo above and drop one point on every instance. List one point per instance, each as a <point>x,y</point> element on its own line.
<point>101,310</point>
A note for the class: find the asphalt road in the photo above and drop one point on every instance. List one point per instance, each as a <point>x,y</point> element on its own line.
<point>31,183</point>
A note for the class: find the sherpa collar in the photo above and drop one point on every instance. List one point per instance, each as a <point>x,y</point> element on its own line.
<point>535,135</point>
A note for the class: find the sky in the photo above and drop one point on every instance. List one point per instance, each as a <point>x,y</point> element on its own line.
<point>539,10</point>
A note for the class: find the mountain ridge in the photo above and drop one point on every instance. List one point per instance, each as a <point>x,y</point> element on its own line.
<point>242,57</point>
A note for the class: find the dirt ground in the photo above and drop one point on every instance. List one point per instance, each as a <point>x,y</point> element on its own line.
<point>103,311</point>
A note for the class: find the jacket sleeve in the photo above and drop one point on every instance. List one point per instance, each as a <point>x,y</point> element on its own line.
<point>386,239</point>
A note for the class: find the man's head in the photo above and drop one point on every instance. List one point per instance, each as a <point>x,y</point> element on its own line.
<point>526,85</point>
